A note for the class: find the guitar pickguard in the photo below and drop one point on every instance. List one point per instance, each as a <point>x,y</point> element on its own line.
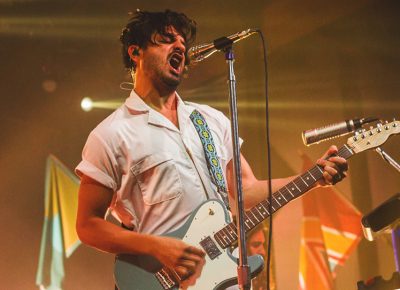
<point>219,271</point>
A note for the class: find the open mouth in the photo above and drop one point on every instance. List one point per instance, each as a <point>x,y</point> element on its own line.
<point>176,61</point>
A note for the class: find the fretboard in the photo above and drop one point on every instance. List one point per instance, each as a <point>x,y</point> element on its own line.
<point>227,236</point>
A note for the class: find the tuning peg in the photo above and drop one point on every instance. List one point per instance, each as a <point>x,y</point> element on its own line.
<point>371,130</point>
<point>356,133</point>
<point>379,127</point>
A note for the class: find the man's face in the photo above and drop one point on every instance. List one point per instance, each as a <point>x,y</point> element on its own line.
<point>163,62</point>
<point>256,243</point>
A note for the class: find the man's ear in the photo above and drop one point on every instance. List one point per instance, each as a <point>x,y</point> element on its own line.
<point>134,52</point>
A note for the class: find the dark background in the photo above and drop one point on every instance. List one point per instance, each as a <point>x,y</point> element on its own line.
<point>328,61</point>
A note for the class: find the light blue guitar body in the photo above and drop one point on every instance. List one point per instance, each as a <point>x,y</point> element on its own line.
<point>220,270</point>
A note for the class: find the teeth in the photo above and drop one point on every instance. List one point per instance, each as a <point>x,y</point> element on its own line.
<point>175,62</point>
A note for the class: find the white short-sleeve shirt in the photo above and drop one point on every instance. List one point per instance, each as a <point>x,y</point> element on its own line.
<point>158,172</point>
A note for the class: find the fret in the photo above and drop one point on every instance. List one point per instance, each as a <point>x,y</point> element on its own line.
<point>249,219</point>
<point>232,236</point>
<point>283,196</point>
<point>223,237</point>
<point>247,226</point>
<point>221,244</point>
<point>303,180</point>
<point>226,239</point>
<point>312,175</point>
<point>262,216</point>
<point>261,210</point>
<point>258,211</point>
<point>276,200</point>
<point>319,168</point>
<point>254,215</point>
<point>294,182</point>
<point>301,185</point>
<point>272,205</point>
<point>345,152</point>
<point>219,240</point>
<point>283,191</point>
<point>261,203</point>
<point>288,190</point>
<point>279,198</point>
<point>228,234</point>
<point>235,235</point>
<point>308,176</point>
<point>233,230</point>
<point>293,190</point>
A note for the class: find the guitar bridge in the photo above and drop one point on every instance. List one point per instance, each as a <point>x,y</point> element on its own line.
<point>210,248</point>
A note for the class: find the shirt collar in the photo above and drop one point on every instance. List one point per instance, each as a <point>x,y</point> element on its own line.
<point>136,105</point>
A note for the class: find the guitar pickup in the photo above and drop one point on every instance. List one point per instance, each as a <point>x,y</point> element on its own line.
<point>210,248</point>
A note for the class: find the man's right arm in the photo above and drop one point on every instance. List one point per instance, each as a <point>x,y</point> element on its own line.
<point>95,231</point>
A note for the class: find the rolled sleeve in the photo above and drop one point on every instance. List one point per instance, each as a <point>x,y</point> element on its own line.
<point>99,163</point>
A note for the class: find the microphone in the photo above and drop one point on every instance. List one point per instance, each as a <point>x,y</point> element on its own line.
<point>200,52</point>
<point>315,136</point>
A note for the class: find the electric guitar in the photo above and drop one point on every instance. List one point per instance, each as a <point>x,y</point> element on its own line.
<point>209,228</point>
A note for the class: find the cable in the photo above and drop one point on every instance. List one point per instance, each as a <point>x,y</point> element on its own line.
<point>127,86</point>
<point>268,156</point>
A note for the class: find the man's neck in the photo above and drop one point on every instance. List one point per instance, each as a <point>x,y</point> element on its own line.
<point>156,100</point>
<point>159,98</point>
<point>163,101</point>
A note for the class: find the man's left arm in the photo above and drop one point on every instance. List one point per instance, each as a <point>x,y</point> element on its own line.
<point>256,190</point>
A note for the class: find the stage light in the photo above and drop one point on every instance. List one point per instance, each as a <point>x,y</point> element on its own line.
<point>87,104</point>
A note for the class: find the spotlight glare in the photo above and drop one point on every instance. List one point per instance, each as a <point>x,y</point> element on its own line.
<point>86,104</point>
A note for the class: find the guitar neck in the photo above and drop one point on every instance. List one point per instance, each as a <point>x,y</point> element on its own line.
<point>227,236</point>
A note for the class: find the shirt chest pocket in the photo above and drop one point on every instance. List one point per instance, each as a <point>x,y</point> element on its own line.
<point>157,178</point>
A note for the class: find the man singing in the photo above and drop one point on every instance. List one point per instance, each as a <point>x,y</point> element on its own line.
<point>146,161</point>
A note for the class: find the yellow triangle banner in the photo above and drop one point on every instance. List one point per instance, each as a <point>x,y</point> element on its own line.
<point>59,237</point>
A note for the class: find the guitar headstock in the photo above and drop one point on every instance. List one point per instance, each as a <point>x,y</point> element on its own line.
<point>374,137</point>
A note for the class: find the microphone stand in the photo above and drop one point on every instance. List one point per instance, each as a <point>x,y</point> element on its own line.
<point>396,228</point>
<point>388,158</point>
<point>244,279</point>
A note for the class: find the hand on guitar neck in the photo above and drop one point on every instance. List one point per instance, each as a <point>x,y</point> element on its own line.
<point>334,167</point>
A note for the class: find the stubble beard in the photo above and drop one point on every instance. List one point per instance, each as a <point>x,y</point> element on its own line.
<point>167,80</point>
<point>172,82</point>
<point>162,78</point>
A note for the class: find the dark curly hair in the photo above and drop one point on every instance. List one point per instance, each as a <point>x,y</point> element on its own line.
<point>143,24</point>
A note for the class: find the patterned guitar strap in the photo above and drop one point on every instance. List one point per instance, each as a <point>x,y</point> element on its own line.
<point>213,164</point>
